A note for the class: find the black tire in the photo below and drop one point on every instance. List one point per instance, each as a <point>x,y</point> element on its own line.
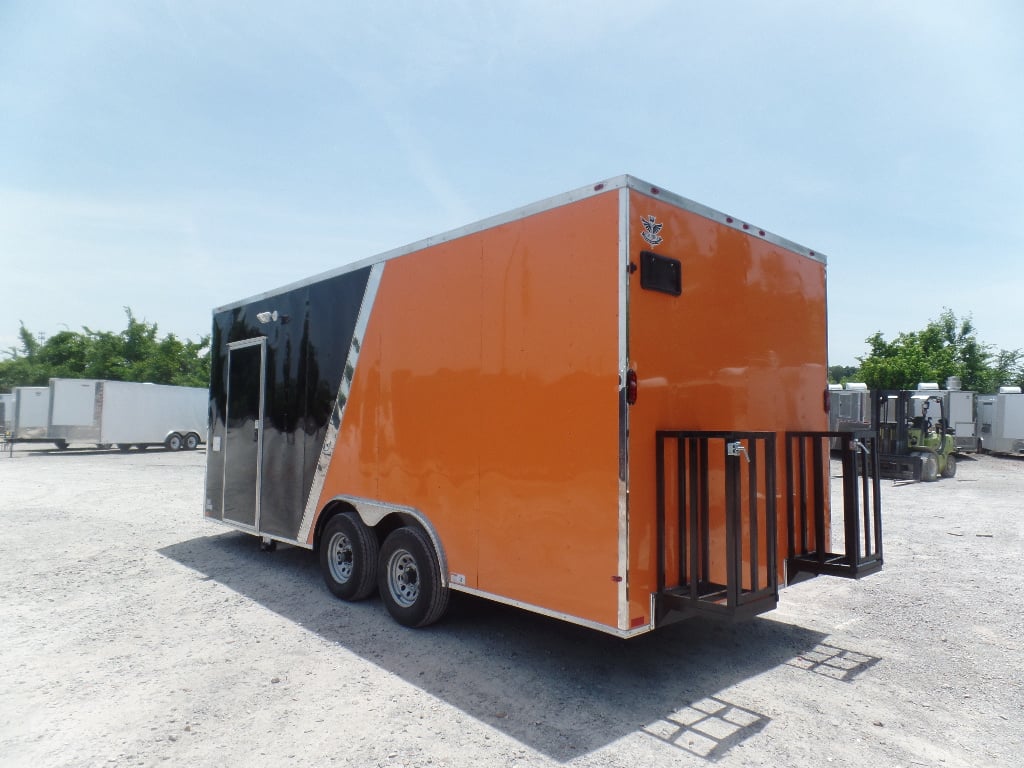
<point>124,447</point>
<point>142,446</point>
<point>348,557</point>
<point>173,442</point>
<point>929,468</point>
<point>62,445</point>
<point>191,441</point>
<point>950,469</point>
<point>409,578</point>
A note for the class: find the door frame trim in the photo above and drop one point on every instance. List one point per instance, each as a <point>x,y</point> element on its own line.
<point>261,342</point>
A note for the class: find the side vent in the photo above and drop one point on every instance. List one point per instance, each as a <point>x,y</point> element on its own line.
<point>660,273</point>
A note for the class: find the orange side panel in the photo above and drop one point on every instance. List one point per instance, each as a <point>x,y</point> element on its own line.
<point>742,349</point>
<point>486,397</point>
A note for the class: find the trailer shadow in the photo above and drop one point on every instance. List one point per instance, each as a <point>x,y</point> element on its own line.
<point>557,688</point>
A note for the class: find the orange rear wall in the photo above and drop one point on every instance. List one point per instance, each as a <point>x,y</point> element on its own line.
<point>743,348</point>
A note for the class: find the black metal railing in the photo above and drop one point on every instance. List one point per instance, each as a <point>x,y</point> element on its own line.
<point>698,471</point>
<point>807,500</point>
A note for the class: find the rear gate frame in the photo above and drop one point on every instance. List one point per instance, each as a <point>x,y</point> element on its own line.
<point>696,593</point>
<point>806,503</point>
<point>862,505</point>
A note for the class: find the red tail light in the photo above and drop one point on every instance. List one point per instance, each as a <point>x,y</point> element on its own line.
<point>631,387</point>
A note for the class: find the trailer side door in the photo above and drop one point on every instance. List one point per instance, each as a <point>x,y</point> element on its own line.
<point>243,441</point>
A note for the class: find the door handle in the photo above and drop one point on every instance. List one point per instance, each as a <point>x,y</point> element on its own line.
<point>737,449</point>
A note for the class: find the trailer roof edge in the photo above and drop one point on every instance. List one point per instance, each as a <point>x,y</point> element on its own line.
<point>565,198</point>
<point>652,190</point>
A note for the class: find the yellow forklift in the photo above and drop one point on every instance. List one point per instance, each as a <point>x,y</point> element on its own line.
<point>915,441</point>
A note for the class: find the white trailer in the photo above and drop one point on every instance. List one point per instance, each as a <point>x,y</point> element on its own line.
<point>75,409</point>
<point>850,409</point>
<point>126,414</point>
<point>31,407</point>
<point>958,408</point>
<point>1001,421</point>
<point>961,406</point>
<point>7,413</point>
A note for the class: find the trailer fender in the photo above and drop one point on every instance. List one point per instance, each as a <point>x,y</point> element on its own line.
<point>373,513</point>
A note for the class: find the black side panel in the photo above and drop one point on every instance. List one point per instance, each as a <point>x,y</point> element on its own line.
<point>307,347</point>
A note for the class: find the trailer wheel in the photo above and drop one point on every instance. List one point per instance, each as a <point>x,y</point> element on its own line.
<point>950,469</point>
<point>62,445</point>
<point>173,442</point>
<point>124,447</point>
<point>142,446</point>
<point>409,578</point>
<point>191,441</point>
<point>348,557</point>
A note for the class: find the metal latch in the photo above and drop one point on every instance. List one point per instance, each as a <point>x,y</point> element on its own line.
<point>737,448</point>
<point>859,446</point>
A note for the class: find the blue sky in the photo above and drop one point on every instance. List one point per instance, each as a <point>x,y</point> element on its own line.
<point>176,156</point>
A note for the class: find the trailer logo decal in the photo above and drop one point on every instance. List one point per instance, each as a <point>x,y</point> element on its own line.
<point>652,230</point>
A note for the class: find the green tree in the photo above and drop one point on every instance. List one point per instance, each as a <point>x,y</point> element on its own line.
<point>1006,370</point>
<point>22,368</point>
<point>840,374</point>
<point>135,354</point>
<point>172,361</point>
<point>945,347</point>
<point>64,354</point>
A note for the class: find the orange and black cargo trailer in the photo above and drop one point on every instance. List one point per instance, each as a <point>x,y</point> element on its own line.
<point>607,407</point>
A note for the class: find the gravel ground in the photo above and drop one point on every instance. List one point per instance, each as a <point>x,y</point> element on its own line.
<point>133,632</point>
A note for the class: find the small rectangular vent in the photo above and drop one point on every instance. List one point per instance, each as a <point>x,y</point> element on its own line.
<point>660,273</point>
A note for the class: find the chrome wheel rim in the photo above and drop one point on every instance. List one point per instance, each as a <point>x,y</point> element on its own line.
<point>403,578</point>
<point>341,558</point>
